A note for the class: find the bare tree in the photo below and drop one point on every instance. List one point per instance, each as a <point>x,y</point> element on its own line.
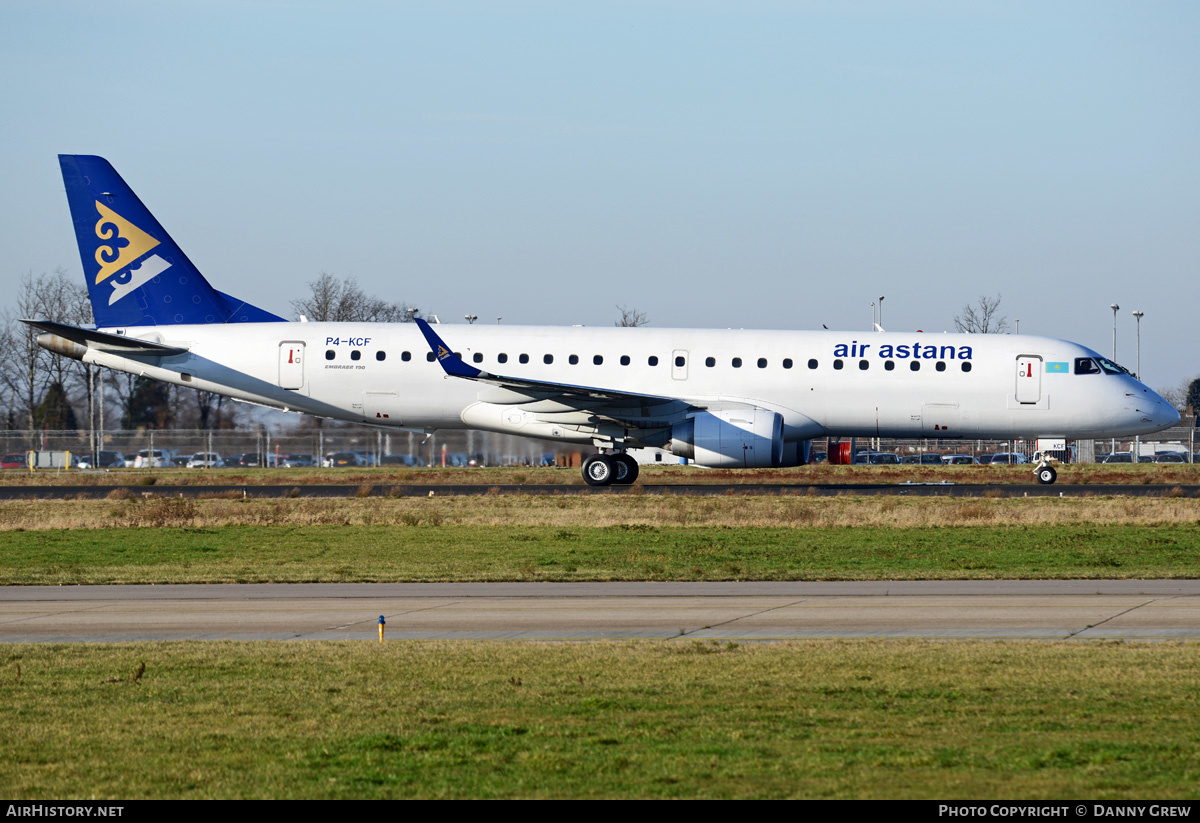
<point>26,369</point>
<point>982,317</point>
<point>631,318</point>
<point>1183,396</point>
<point>342,301</point>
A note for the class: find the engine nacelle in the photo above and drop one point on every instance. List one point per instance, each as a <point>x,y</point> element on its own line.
<point>740,439</point>
<point>796,453</point>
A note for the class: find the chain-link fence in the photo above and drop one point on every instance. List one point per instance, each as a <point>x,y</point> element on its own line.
<point>1170,445</point>
<point>341,446</point>
<point>365,446</point>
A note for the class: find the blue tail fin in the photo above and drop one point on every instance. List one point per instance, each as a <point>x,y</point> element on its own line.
<point>136,275</point>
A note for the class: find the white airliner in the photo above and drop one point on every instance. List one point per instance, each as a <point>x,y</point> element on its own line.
<point>729,399</point>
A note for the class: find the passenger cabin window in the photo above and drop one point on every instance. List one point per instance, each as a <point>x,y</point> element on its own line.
<point>547,359</point>
<point>406,356</point>
<point>502,358</point>
<point>737,362</point>
<point>598,360</point>
<point>381,356</point>
<point>652,360</point>
<point>329,354</point>
<point>524,358</point>
<point>812,364</point>
<point>915,365</point>
<point>680,362</point>
<point>1086,365</point>
<point>477,357</point>
<point>837,364</point>
<point>889,365</point>
<point>941,365</point>
<point>787,362</point>
<point>762,362</point>
<point>429,356</point>
<point>355,355</point>
<point>573,360</point>
<point>624,360</point>
<point>966,366</point>
<point>863,365</point>
<point>710,361</point>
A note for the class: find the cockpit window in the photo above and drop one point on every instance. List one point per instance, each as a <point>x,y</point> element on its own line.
<point>1112,368</point>
<point>1086,365</point>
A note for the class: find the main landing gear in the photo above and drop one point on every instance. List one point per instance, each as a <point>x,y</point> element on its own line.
<point>607,469</point>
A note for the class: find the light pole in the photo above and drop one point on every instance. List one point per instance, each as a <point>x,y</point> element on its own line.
<point>1137,441</point>
<point>1115,308</point>
<point>872,315</point>
<point>881,312</point>
<point>470,318</point>
<point>1018,325</point>
<point>1139,315</point>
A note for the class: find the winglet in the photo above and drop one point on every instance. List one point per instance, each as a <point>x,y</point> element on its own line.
<point>451,362</point>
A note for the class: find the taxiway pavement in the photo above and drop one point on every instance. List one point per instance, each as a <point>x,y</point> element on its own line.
<point>752,611</point>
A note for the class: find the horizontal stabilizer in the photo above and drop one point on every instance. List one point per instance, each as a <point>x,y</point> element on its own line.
<point>102,341</point>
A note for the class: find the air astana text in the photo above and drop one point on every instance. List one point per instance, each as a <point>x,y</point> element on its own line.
<point>918,351</point>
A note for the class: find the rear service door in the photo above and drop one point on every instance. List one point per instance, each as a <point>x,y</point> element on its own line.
<point>291,365</point>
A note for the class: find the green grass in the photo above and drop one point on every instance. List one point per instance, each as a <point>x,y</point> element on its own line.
<point>338,553</point>
<point>821,719</point>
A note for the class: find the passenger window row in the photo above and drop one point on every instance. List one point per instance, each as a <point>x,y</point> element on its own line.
<point>652,360</point>
<point>890,365</point>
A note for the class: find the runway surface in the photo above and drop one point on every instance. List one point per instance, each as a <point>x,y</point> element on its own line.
<point>463,489</point>
<point>1032,609</point>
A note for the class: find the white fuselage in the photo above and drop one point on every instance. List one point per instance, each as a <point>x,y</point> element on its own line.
<point>962,386</point>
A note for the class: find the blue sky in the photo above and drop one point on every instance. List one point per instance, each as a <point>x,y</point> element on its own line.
<point>714,164</point>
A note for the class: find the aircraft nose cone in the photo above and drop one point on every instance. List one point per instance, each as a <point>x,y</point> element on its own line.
<point>1167,415</point>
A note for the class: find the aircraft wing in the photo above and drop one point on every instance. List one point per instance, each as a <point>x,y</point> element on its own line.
<point>569,403</point>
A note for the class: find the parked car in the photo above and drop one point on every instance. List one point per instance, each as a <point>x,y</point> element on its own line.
<point>927,459</point>
<point>1172,457</point>
<point>883,459</point>
<point>16,460</point>
<point>959,460</point>
<point>204,460</point>
<point>401,460</point>
<point>1007,458</point>
<point>148,459</point>
<point>296,461</point>
<point>340,459</point>
<point>104,460</point>
<point>1119,457</point>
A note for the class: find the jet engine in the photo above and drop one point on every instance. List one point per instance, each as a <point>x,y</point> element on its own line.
<point>738,439</point>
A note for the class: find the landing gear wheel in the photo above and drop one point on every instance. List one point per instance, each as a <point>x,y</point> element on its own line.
<point>1046,475</point>
<point>627,469</point>
<point>599,470</point>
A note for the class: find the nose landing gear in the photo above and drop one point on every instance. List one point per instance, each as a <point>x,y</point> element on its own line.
<point>1045,472</point>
